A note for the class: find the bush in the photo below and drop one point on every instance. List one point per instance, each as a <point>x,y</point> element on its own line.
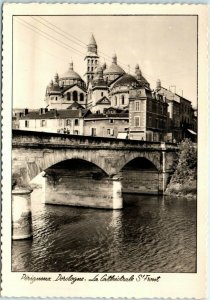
<point>184,178</point>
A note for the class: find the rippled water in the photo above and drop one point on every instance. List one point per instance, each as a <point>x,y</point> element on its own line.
<point>151,234</point>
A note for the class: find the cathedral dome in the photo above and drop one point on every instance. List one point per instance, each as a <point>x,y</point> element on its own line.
<point>70,74</point>
<point>127,80</point>
<point>114,68</point>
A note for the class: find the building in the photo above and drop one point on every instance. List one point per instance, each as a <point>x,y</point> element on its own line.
<point>112,123</point>
<point>65,90</point>
<point>111,102</point>
<point>69,121</point>
<point>147,115</point>
<point>181,117</point>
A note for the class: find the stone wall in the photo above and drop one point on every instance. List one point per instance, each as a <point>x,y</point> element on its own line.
<point>140,181</point>
<point>88,193</point>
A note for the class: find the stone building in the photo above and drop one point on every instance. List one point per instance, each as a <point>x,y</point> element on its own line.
<point>111,103</point>
<point>181,118</point>
<point>147,115</point>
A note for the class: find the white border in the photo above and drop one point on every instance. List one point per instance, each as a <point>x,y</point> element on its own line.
<point>171,284</point>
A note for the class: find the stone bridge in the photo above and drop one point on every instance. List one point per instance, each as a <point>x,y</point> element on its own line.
<point>90,171</point>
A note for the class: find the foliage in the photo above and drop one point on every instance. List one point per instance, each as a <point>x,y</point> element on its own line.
<point>184,178</point>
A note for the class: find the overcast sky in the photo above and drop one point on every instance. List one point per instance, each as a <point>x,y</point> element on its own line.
<point>165,47</point>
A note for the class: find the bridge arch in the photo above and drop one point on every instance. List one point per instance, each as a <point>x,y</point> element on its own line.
<point>140,175</point>
<point>153,158</point>
<point>51,158</point>
<point>76,166</point>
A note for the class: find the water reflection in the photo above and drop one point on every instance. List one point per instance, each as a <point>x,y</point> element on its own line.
<point>151,234</point>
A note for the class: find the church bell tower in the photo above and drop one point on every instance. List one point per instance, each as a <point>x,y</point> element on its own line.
<point>91,58</point>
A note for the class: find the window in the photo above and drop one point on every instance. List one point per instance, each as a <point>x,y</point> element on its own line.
<point>68,96</point>
<point>68,122</point>
<point>123,99</point>
<point>75,96</point>
<point>91,68</point>
<point>95,61</point>
<point>43,123</point>
<point>56,98</point>
<point>150,121</point>
<point>137,106</point>
<point>92,76</point>
<point>76,122</point>
<point>110,131</point>
<point>102,94</point>
<point>88,61</point>
<point>76,132</point>
<point>81,97</point>
<point>111,121</point>
<point>137,121</point>
<point>26,123</point>
<point>115,100</point>
<point>93,131</point>
<point>88,69</point>
<point>51,98</point>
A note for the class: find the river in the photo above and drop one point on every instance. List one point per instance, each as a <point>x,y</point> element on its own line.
<point>150,234</point>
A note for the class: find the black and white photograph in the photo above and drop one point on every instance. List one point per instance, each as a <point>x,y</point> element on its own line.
<point>104,148</point>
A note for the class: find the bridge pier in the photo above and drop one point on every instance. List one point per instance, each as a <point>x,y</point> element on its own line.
<point>163,182</point>
<point>117,192</point>
<point>21,214</point>
<point>89,190</point>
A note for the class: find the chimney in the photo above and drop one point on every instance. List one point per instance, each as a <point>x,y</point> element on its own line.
<point>158,84</point>
<point>44,110</point>
<point>25,112</point>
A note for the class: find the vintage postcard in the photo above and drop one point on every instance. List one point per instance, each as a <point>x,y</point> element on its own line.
<point>104,181</point>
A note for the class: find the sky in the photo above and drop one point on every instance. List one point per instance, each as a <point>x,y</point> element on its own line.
<point>165,47</point>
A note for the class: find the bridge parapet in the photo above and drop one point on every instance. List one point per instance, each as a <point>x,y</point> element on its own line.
<point>56,140</point>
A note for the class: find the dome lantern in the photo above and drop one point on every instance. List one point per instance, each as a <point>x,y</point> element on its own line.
<point>114,59</point>
<point>138,72</point>
<point>51,83</point>
<point>56,78</point>
<point>71,66</point>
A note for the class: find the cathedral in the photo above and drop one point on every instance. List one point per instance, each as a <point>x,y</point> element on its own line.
<point>108,103</point>
<point>104,86</point>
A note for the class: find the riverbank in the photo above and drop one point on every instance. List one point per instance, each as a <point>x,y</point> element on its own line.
<point>187,190</point>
